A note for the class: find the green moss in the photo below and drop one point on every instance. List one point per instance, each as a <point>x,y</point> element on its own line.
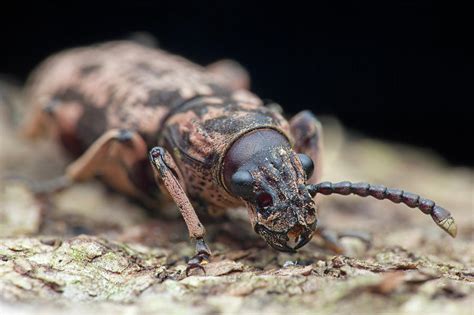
<point>79,255</point>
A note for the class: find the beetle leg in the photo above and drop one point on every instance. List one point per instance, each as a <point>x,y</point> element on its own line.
<point>167,174</point>
<point>116,143</point>
<point>332,239</point>
<point>201,258</point>
<point>37,124</point>
<point>234,74</point>
<point>308,134</point>
<point>42,187</point>
<point>111,155</point>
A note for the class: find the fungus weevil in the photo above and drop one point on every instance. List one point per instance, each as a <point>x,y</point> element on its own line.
<point>211,143</point>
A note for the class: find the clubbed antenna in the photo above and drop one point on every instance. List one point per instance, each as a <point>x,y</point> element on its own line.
<point>441,216</point>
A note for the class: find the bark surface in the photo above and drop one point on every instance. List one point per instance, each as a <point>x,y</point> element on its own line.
<point>89,250</point>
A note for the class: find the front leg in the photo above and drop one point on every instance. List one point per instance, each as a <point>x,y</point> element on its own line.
<point>168,175</point>
<point>308,134</point>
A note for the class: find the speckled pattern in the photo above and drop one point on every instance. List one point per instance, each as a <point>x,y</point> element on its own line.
<point>196,114</point>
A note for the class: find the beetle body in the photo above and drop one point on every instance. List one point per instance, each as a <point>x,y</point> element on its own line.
<point>218,145</point>
<point>169,101</point>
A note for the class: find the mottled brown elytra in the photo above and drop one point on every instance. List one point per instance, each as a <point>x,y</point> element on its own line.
<point>137,115</point>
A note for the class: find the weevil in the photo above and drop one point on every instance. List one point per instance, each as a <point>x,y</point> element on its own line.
<point>136,116</point>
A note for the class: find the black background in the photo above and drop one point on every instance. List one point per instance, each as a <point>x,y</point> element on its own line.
<point>397,70</point>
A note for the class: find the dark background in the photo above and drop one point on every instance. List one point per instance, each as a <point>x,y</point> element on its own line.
<point>399,71</point>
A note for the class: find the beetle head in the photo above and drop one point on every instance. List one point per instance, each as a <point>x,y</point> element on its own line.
<point>272,182</point>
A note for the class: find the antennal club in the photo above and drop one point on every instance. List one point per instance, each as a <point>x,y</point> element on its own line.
<point>440,216</point>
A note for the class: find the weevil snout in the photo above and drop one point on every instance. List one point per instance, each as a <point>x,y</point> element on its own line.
<point>271,178</point>
<point>287,226</point>
<point>297,237</point>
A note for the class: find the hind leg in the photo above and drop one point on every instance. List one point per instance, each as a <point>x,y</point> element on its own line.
<point>40,122</point>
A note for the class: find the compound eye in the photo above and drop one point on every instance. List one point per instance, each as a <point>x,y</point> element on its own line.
<point>264,200</point>
<point>241,184</point>
<point>307,163</point>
